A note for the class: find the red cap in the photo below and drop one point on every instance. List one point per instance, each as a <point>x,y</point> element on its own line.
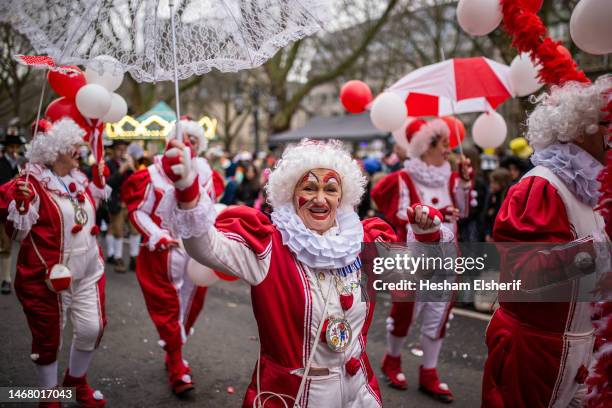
<point>414,127</point>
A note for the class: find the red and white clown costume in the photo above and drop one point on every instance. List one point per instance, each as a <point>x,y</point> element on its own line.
<point>294,275</point>
<point>58,227</point>
<point>439,187</point>
<point>539,353</point>
<point>173,300</point>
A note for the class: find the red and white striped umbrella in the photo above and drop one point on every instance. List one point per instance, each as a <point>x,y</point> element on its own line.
<point>454,86</point>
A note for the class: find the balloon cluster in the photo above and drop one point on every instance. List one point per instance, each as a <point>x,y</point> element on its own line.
<point>88,97</point>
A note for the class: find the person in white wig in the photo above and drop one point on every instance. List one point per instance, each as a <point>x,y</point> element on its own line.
<point>550,344</point>
<point>60,268</point>
<point>426,178</point>
<point>303,265</point>
<point>173,300</point>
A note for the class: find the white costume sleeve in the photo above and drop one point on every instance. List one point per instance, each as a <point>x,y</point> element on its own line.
<point>142,218</point>
<point>22,223</point>
<point>99,193</point>
<point>224,252</point>
<point>404,200</point>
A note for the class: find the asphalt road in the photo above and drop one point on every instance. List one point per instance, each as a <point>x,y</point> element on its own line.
<point>129,370</point>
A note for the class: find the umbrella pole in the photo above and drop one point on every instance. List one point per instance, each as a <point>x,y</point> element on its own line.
<point>40,103</point>
<point>179,135</point>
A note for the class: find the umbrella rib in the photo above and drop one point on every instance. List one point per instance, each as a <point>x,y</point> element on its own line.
<point>229,11</point>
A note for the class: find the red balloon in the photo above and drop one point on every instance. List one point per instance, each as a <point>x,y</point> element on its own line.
<point>457,130</point>
<point>355,96</point>
<point>225,277</point>
<point>67,84</point>
<point>564,52</point>
<point>532,5</point>
<point>66,108</point>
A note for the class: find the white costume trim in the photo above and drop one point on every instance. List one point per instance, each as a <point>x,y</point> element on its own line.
<point>192,223</point>
<point>427,175</point>
<point>23,222</point>
<point>309,155</point>
<point>337,248</point>
<point>421,139</point>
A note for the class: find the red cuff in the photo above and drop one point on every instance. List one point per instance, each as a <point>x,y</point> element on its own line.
<point>190,193</point>
<point>429,237</point>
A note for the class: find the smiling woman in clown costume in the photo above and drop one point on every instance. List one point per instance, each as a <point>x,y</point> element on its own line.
<point>304,269</point>
<point>60,269</point>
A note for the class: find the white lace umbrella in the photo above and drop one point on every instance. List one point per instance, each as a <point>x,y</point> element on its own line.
<point>158,40</point>
<point>228,35</point>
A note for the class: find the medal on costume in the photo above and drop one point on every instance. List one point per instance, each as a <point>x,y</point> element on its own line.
<point>80,215</point>
<point>338,334</point>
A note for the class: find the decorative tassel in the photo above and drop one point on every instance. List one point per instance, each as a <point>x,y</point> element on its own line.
<point>323,338</point>
<point>77,228</point>
<point>529,34</point>
<point>346,301</point>
<point>95,230</point>
<point>352,366</point>
<point>72,187</point>
<point>80,197</point>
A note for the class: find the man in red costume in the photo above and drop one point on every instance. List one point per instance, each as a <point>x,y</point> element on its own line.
<point>173,300</point>
<point>427,179</point>
<point>539,353</point>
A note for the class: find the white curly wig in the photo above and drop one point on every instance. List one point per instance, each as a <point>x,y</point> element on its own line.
<point>193,128</point>
<point>567,112</point>
<point>307,155</point>
<point>60,138</point>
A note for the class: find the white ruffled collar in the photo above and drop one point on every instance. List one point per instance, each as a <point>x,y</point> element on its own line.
<point>430,176</point>
<point>577,168</point>
<point>337,248</point>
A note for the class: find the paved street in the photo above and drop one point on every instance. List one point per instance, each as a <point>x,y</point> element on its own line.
<point>129,365</point>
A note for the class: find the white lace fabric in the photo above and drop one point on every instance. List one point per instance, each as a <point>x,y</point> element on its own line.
<point>228,35</point>
<point>337,248</point>
<point>423,173</point>
<point>192,223</point>
<point>23,222</point>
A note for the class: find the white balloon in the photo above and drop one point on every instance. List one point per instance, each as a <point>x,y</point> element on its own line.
<point>106,71</point>
<point>117,111</point>
<point>591,26</point>
<point>524,75</point>
<point>489,130</point>
<point>93,101</point>
<point>201,275</point>
<point>479,17</point>
<point>388,112</point>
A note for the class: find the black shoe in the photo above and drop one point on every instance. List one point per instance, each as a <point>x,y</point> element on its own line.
<point>6,288</point>
<point>119,266</point>
<point>133,264</point>
<point>110,260</point>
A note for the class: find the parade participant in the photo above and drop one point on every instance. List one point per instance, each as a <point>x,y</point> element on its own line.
<point>60,269</point>
<point>121,166</point>
<point>427,179</point>
<point>539,353</point>
<point>173,300</point>
<point>303,264</point>
<point>9,168</point>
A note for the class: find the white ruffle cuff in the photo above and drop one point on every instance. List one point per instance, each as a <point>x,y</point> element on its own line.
<point>446,235</point>
<point>320,251</point>
<point>100,193</point>
<point>192,223</point>
<point>23,222</point>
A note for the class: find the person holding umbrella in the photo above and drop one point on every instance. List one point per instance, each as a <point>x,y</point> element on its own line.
<point>60,268</point>
<point>426,179</point>
<point>303,264</point>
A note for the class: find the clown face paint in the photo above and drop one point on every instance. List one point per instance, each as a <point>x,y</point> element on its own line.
<point>316,198</point>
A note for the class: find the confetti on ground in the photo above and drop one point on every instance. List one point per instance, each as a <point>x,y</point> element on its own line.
<point>230,390</point>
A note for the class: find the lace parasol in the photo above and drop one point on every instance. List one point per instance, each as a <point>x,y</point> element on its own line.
<point>228,35</point>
